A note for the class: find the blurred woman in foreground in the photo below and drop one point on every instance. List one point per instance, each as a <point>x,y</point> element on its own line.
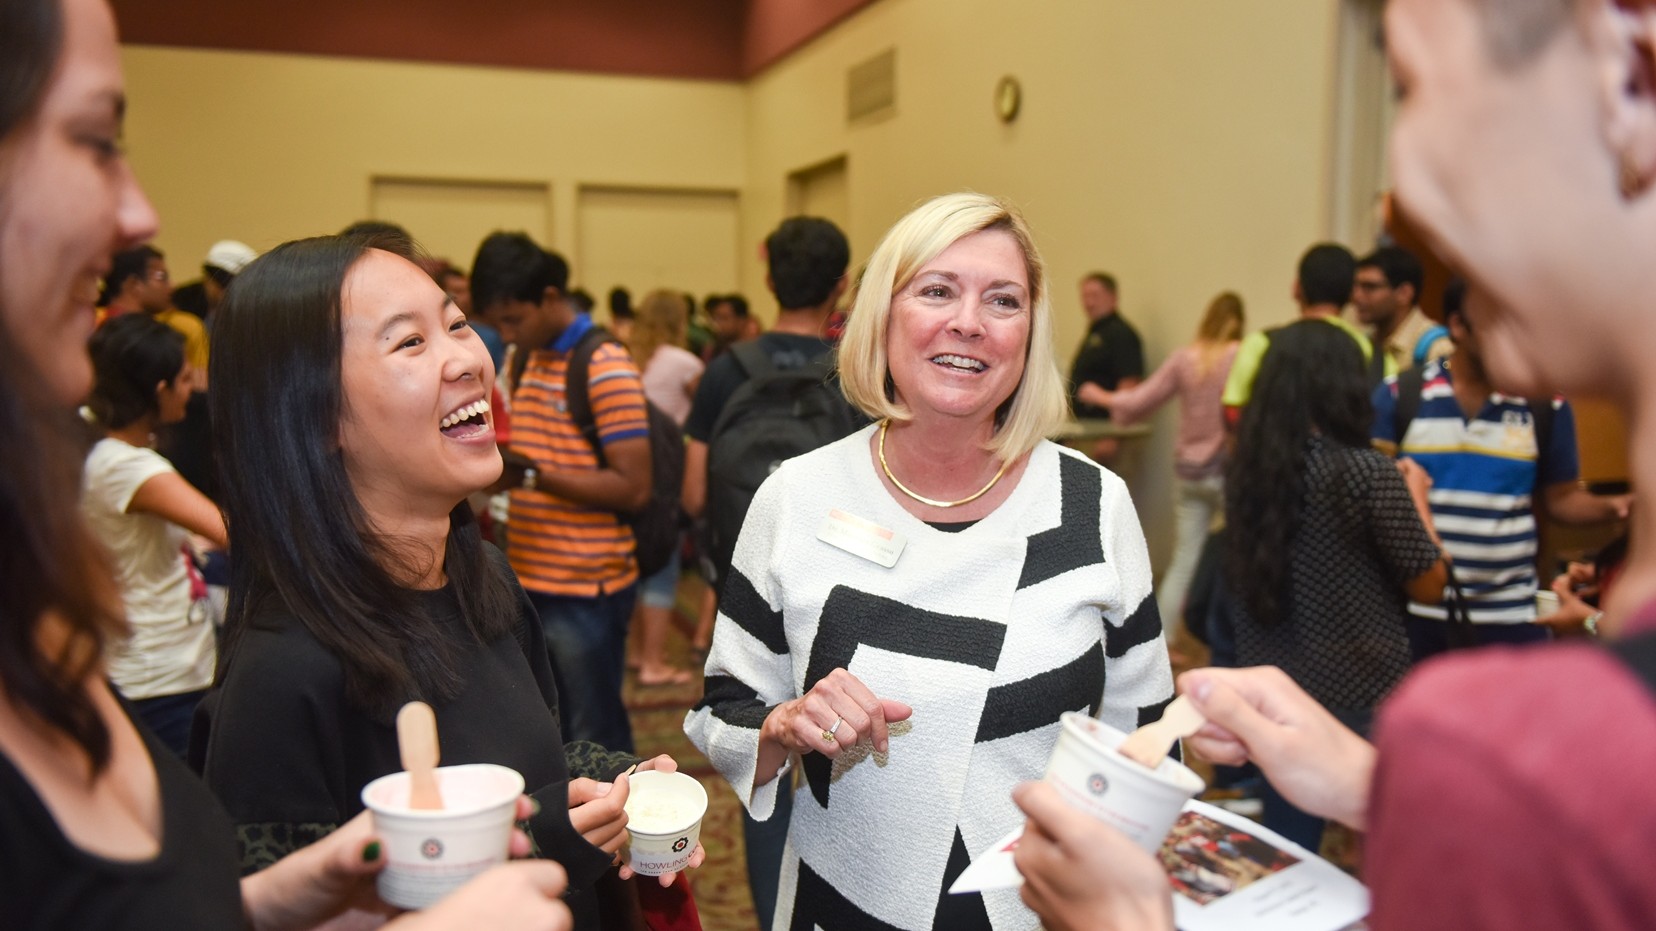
<point>100,826</point>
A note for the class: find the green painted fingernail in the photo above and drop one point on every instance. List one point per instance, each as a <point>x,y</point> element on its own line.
<point>534,807</point>
<point>371,852</point>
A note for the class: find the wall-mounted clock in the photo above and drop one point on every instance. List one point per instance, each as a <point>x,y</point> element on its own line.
<point>1008,98</point>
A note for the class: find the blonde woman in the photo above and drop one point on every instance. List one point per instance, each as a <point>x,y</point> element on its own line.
<point>1196,374</point>
<point>670,374</point>
<point>911,608</point>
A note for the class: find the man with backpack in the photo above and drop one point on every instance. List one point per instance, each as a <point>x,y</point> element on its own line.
<point>575,477</point>
<point>769,399</point>
<point>1493,460</point>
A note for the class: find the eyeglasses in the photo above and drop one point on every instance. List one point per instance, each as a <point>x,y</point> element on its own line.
<point>159,274</point>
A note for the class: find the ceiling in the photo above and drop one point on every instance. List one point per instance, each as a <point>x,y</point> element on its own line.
<point>722,40</point>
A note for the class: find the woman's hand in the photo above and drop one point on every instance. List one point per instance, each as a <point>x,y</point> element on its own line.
<point>332,880</point>
<point>1095,394</point>
<point>666,764</point>
<point>598,811</point>
<point>1259,714</point>
<point>514,895</point>
<point>838,712</point>
<point>1080,874</point>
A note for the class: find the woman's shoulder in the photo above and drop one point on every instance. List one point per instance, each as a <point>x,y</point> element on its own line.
<point>1050,456</point>
<point>110,455</point>
<point>1364,460</point>
<point>676,358</point>
<point>272,642</point>
<point>839,454</point>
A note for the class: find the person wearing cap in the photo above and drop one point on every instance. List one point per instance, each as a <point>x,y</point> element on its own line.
<point>224,262</point>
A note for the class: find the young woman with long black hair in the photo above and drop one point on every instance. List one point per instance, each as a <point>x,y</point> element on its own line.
<point>1325,540</point>
<point>350,407</point>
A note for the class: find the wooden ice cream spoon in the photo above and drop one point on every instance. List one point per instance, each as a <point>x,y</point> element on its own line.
<point>1150,743</point>
<point>417,739</point>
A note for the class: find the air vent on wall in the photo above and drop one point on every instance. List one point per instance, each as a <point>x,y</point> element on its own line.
<point>871,87</point>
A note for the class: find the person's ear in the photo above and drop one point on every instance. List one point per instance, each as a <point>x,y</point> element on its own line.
<point>1406,298</point>
<point>1295,293</point>
<point>1621,39</point>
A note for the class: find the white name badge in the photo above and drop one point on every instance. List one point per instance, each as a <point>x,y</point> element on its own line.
<point>861,537</point>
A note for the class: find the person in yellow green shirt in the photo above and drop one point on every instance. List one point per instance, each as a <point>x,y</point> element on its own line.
<point>1322,289</point>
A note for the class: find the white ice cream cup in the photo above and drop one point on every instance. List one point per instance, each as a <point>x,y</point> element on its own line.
<point>431,852</point>
<point>664,816</point>
<point>1140,802</point>
<point>1546,602</point>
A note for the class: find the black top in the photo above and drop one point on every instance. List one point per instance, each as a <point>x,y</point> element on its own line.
<point>724,375</point>
<point>188,445</point>
<point>1111,351</point>
<point>288,756</point>
<point>1360,541</point>
<point>48,882</point>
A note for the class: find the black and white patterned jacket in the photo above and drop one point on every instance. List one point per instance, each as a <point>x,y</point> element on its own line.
<point>990,633</point>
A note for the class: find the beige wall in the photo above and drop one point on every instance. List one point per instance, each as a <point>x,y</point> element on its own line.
<point>1183,145</point>
<point>266,147</point>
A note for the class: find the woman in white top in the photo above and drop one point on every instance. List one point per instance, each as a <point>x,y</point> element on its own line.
<point>1196,373</point>
<point>670,374</point>
<point>912,608</point>
<point>143,511</point>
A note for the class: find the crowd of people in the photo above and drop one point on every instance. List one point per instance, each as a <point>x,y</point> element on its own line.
<point>237,551</point>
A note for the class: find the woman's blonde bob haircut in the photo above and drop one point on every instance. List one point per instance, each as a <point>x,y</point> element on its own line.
<point>1038,405</point>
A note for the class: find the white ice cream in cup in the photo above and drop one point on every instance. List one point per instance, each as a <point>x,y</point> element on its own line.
<point>1141,802</point>
<point>664,816</point>
<point>431,852</point>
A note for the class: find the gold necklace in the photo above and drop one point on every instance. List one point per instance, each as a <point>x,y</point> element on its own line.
<point>922,498</point>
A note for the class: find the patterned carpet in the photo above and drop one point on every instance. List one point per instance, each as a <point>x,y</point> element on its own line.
<point>720,885</point>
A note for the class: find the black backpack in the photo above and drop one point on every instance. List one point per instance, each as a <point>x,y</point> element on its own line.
<point>773,416</point>
<point>656,526</point>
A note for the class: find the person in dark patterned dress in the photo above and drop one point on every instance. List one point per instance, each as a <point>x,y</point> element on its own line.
<point>1327,538</point>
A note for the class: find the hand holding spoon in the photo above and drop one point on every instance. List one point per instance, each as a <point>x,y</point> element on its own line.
<point>1150,743</point>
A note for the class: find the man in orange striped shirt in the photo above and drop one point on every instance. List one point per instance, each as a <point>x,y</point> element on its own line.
<point>569,541</point>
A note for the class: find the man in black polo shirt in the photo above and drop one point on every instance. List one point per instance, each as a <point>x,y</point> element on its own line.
<point>1111,356</point>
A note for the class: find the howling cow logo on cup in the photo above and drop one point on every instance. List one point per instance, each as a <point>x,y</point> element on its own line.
<point>1097,784</point>
<point>664,813</point>
<point>431,849</point>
